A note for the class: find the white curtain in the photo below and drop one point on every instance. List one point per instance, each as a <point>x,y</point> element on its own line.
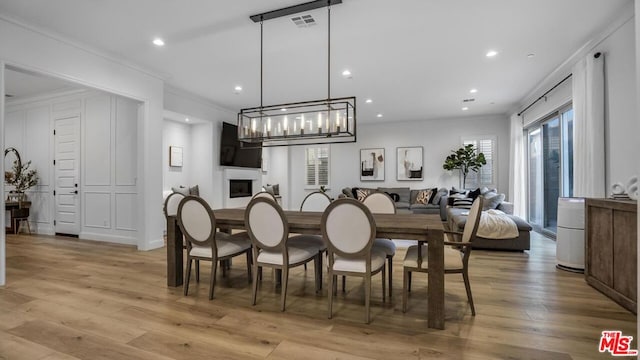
<point>588,144</point>
<point>516,168</point>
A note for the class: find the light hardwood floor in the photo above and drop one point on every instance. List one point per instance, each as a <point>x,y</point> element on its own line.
<point>68,299</point>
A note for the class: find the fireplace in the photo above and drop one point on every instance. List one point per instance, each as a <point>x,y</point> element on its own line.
<point>240,188</point>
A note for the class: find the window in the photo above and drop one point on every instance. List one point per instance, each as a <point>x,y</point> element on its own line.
<point>486,176</point>
<point>316,167</point>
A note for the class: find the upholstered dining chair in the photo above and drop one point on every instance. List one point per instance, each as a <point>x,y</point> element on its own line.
<point>20,216</point>
<point>264,194</point>
<point>456,255</point>
<point>315,201</point>
<point>349,230</point>
<point>198,224</point>
<point>268,229</point>
<point>381,203</point>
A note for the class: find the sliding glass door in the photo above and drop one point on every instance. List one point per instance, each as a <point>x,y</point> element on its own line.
<point>550,167</point>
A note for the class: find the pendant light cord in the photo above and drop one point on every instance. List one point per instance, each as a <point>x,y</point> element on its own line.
<point>261,51</point>
<point>328,50</point>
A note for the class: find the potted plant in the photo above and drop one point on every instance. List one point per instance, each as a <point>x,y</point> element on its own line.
<point>465,159</point>
<point>21,178</point>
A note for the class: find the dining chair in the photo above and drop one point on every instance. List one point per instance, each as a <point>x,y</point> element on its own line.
<point>349,230</point>
<point>265,194</point>
<point>456,255</point>
<point>381,203</point>
<point>268,229</point>
<point>315,201</point>
<point>198,224</point>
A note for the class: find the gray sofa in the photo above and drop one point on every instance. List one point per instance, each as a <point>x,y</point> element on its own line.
<point>455,221</point>
<point>407,199</point>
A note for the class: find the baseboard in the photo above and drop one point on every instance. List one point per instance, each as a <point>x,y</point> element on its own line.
<point>154,244</point>
<point>108,238</point>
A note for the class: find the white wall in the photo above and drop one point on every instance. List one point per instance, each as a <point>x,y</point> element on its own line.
<point>108,157</point>
<point>618,44</point>
<point>277,159</point>
<point>23,47</point>
<point>176,134</point>
<point>437,137</point>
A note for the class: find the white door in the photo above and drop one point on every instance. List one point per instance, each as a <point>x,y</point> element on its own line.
<point>67,175</point>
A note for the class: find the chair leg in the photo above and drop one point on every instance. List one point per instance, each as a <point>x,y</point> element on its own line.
<point>249,261</point>
<point>405,282</point>
<point>15,226</point>
<point>256,270</point>
<point>305,266</point>
<point>320,268</point>
<point>284,281</point>
<point>367,297</point>
<point>197,270</point>
<point>384,280</point>
<point>465,276</point>
<point>335,285</point>
<point>409,290</point>
<point>187,276</point>
<point>390,274</point>
<point>331,284</point>
<point>28,227</point>
<point>344,283</point>
<point>316,270</point>
<point>212,282</point>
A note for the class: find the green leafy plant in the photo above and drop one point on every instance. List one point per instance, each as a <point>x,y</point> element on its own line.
<point>22,178</point>
<point>465,159</point>
<point>323,188</point>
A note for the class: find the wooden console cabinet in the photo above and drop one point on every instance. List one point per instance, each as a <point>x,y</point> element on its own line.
<point>611,261</point>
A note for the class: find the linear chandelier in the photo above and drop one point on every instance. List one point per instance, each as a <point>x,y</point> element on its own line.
<point>330,120</point>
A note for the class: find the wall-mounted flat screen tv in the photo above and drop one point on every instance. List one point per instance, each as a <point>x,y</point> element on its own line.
<point>236,153</point>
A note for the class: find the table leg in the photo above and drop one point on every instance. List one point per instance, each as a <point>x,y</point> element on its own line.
<point>436,284</point>
<point>174,253</point>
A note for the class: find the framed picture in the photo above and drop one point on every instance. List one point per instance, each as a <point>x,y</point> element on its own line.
<point>372,164</point>
<point>409,164</point>
<point>175,156</point>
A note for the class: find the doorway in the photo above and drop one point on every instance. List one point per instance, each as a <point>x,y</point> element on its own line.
<point>550,168</point>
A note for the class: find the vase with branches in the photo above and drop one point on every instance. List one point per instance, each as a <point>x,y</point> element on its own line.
<point>21,177</point>
<point>465,159</point>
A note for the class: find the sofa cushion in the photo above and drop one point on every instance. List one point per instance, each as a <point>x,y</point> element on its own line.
<point>424,206</point>
<point>492,201</point>
<point>438,195</point>
<point>403,192</point>
<point>402,205</point>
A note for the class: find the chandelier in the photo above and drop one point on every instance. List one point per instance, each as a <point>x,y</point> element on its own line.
<point>330,120</point>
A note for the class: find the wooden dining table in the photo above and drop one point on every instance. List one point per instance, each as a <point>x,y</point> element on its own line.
<point>420,227</point>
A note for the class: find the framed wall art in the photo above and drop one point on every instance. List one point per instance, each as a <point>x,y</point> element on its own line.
<point>409,163</point>
<point>372,164</point>
<point>175,156</point>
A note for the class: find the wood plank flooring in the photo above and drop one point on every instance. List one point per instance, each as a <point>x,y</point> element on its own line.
<point>74,299</point>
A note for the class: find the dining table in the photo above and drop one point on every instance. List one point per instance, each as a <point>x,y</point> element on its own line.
<point>423,228</point>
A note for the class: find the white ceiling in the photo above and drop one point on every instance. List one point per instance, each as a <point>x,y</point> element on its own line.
<point>417,59</point>
<point>24,84</point>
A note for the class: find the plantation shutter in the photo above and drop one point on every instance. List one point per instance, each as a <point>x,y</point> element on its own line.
<point>317,167</point>
<point>486,174</point>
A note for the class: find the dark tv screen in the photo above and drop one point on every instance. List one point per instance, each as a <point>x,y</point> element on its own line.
<point>236,153</point>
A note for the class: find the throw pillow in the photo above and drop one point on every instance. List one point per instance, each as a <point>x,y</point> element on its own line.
<point>276,188</point>
<point>424,196</point>
<point>354,192</point>
<point>181,189</point>
<point>194,190</point>
<point>395,197</point>
<point>457,191</point>
<point>269,188</point>
<point>438,195</point>
<point>493,202</point>
<point>464,203</point>
<point>362,193</point>
<point>474,194</point>
<point>347,192</point>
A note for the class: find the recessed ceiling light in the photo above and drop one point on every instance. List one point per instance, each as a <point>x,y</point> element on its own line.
<point>473,91</point>
<point>465,108</point>
<point>158,42</point>
<point>492,53</point>
<point>237,89</point>
<point>368,101</point>
<point>186,119</point>
<point>531,55</point>
<point>346,74</point>
<point>283,109</point>
<point>379,115</point>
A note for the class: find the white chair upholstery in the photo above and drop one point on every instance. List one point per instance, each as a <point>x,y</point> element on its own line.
<point>381,203</point>
<point>456,256</point>
<point>316,201</point>
<point>198,225</point>
<point>264,194</point>
<point>171,204</point>
<point>348,228</point>
<point>272,247</point>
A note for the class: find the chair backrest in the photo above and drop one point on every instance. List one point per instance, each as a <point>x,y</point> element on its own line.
<point>197,222</point>
<point>171,204</point>
<point>380,203</point>
<point>266,224</point>
<point>20,213</point>
<point>316,201</point>
<point>473,220</point>
<point>264,194</point>
<point>348,228</point>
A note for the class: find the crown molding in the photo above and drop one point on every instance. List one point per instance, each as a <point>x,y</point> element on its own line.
<point>172,89</point>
